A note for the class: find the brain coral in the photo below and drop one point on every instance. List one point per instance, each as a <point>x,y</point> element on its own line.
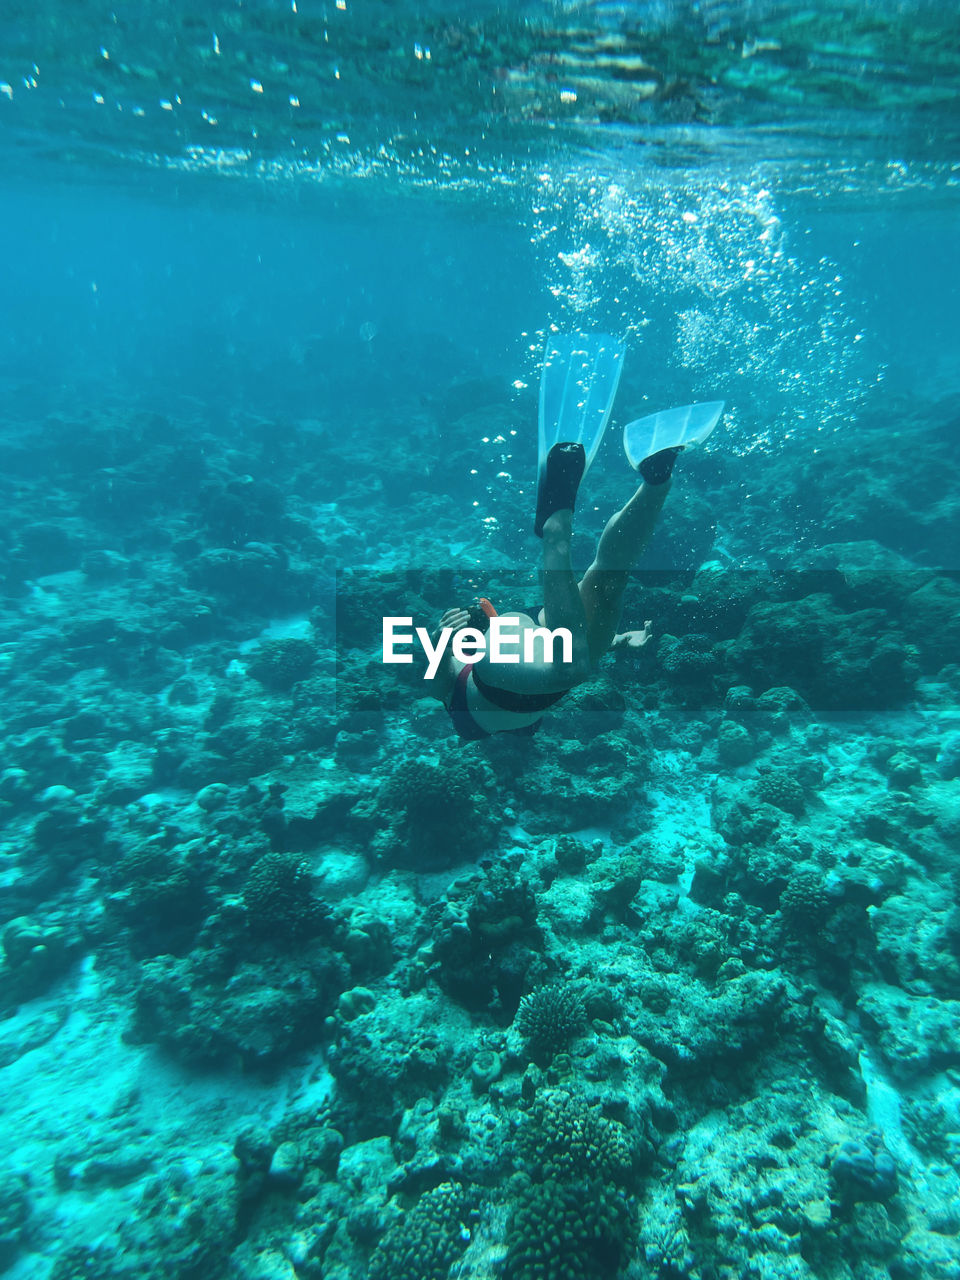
<point>781,790</point>
<point>278,898</point>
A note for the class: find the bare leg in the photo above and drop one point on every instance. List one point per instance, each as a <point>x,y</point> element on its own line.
<point>563,606</point>
<point>623,541</point>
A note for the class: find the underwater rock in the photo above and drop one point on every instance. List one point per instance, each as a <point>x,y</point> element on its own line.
<point>104,565</point>
<point>242,510</point>
<point>735,744</point>
<point>570,854</point>
<point>158,897</point>
<point>29,943</point>
<point>594,708</point>
<point>89,1262</point>
<point>723,599</point>
<point>280,664</point>
<point>44,547</point>
<point>215,1009</point>
<point>248,1262</point>
<point>384,1060</point>
<point>257,579</point>
<point>838,1050</point>
<point>712,879</point>
<point>286,1165</point>
<point>948,757</point>
<point>15,787</point>
<point>186,1224</point>
<point>722,1027</point>
<point>436,813</point>
<point>753,1187</point>
<point>366,941</point>
<point>934,614</point>
<point>312,805</point>
<point>865,573</point>
<point>356,1001</point>
<point>614,883</point>
<point>576,784</point>
<point>743,824</point>
<point>108,1164</point>
<point>486,939</point>
<point>18,1036</point>
<point>279,899</point>
<point>473,395</point>
<point>14,1216</point>
<point>836,660</point>
<point>339,874</point>
<point>212,797</point>
<point>65,833</point>
<point>691,659</point>
<point>245,747</point>
<point>901,822</point>
<point>365,1170</point>
<point>914,937</point>
<point>915,1033</point>
<point>780,709</point>
<point>904,771</point>
<point>485,1068</point>
<point>253,1148</point>
<point>36,954</point>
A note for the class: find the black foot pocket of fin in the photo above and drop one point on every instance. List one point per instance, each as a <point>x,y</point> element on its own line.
<point>657,468</point>
<point>566,464</point>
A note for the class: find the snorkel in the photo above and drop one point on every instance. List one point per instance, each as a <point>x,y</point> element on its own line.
<point>480,614</point>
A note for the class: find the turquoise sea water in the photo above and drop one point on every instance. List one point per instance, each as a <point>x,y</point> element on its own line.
<point>295,985</point>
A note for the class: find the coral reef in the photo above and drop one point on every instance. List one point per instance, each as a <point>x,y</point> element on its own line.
<point>295,987</point>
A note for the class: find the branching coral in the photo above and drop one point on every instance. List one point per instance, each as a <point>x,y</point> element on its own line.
<point>549,1019</point>
<point>564,1138</point>
<point>566,1231</point>
<point>426,1241</point>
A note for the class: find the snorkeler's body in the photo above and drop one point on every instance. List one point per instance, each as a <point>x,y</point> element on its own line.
<point>485,697</point>
<point>579,379</point>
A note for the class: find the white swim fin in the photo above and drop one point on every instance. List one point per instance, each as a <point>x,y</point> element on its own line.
<point>679,428</point>
<point>578,382</point>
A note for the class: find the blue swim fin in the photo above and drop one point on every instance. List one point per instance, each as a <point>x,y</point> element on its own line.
<point>578,382</point>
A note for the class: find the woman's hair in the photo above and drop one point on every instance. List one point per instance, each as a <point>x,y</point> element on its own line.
<point>479,619</point>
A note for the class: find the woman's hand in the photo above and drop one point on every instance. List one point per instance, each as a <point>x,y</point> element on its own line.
<point>633,639</point>
<point>453,618</point>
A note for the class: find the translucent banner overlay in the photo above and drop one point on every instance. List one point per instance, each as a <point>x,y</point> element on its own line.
<point>841,641</point>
